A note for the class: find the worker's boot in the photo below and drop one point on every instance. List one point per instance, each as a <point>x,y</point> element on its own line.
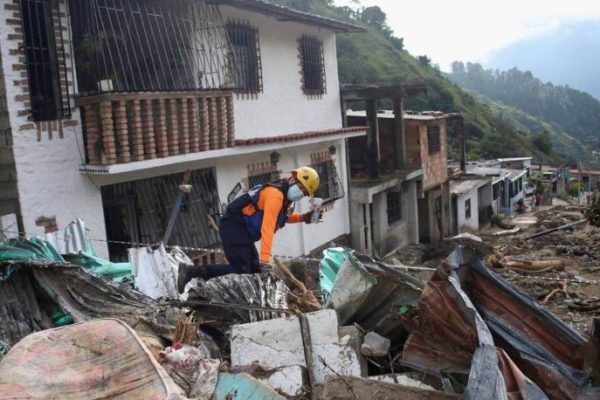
<point>186,273</point>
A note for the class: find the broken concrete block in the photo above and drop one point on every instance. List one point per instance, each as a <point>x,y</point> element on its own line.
<point>401,379</point>
<point>355,341</point>
<point>375,345</point>
<point>274,343</point>
<point>288,380</point>
<point>351,388</point>
<point>277,345</point>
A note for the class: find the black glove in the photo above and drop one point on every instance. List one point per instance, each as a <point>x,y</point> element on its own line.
<point>307,217</point>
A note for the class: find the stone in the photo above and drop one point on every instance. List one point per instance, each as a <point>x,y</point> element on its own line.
<point>277,346</point>
<point>375,345</point>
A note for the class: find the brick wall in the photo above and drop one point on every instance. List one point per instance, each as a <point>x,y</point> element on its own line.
<point>9,203</point>
<point>17,77</point>
<point>435,166</point>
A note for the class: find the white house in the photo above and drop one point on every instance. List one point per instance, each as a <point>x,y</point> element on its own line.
<point>103,106</point>
<point>471,203</point>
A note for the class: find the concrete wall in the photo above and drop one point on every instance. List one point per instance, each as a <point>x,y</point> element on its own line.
<point>49,182</point>
<point>386,237</point>
<point>282,107</point>
<point>464,223</point>
<point>48,154</point>
<point>294,239</point>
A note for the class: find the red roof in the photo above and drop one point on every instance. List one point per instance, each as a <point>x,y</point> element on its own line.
<point>298,136</point>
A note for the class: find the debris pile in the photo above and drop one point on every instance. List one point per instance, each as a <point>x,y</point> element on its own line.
<point>371,330</point>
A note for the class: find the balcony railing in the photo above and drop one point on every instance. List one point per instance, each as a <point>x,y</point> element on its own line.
<point>121,128</point>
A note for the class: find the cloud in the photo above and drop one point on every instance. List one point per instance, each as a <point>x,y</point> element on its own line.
<point>469,30</point>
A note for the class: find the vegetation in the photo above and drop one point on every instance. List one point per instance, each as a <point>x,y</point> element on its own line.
<point>575,112</point>
<point>377,56</point>
<point>575,188</point>
<point>592,212</point>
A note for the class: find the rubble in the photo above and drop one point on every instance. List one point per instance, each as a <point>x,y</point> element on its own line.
<point>280,344</point>
<point>352,388</point>
<point>375,345</point>
<point>376,330</point>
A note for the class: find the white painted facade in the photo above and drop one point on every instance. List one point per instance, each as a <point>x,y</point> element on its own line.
<point>282,107</point>
<point>471,222</point>
<point>48,171</point>
<point>49,182</point>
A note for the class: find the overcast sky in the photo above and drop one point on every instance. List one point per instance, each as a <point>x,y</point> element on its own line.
<point>469,30</point>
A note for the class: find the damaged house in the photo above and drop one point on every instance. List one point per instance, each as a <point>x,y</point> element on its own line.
<point>104,105</point>
<point>399,193</point>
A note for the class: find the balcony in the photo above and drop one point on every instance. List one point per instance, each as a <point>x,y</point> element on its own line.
<point>120,128</point>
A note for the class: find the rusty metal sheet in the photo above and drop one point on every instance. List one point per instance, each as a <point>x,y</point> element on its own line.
<point>545,348</point>
<point>449,335</point>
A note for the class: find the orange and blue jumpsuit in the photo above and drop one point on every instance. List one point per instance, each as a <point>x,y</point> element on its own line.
<point>258,220</point>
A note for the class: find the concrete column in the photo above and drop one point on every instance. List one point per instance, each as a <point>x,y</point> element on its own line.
<point>379,221</point>
<point>372,139</point>
<point>357,226</point>
<point>412,211</point>
<point>399,134</point>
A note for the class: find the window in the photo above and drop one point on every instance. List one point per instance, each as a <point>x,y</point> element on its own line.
<point>48,102</point>
<point>520,184</point>
<point>246,54</point>
<point>313,66</point>
<point>147,46</point>
<point>496,191</point>
<point>261,179</point>
<point>394,207</point>
<point>139,211</point>
<point>467,208</point>
<point>433,139</point>
<point>330,188</point>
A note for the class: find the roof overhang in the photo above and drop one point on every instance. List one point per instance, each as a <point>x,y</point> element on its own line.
<point>243,147</point>
<point>283,13</point>
<point>377,92</point>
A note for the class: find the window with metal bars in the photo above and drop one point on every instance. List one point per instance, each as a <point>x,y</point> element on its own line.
<point>261,179</point>
<point>433,139</point>
<point>330,187</point>
<point>141,46</point>
<point>313,65</point>
<point>246,55</point>
<point>394,206</point>
<point>48,101</point>
<point>138,212</point>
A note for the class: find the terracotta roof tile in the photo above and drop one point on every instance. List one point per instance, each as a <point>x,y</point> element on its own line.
<point>298,136</point>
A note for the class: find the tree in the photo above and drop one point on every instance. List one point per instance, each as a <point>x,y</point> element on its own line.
<point>543,142</point>
<point>424,60</point>
<point>373,16</point>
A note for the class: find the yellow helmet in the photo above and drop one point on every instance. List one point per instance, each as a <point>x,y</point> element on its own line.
<point>309,178</point>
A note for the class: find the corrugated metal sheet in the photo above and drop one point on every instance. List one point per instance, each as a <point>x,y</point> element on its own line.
<point>466,311</point>
<point>72,239</point>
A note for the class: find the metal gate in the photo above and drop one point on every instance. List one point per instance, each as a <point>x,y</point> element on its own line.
<point>138,212</point>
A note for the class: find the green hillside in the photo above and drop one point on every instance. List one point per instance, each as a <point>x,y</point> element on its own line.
<point>377,57</point>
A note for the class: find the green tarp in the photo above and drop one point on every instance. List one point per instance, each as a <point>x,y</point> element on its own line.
<point>116,271</point>
<point>41,250</point>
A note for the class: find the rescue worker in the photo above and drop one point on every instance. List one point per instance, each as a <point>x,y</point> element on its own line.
<point>253,216</point>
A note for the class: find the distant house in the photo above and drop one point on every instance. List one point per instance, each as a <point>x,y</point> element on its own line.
<point>508,184</point>
<point>104,105</point>
<point>408,199</point>
<point>472,204</point>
